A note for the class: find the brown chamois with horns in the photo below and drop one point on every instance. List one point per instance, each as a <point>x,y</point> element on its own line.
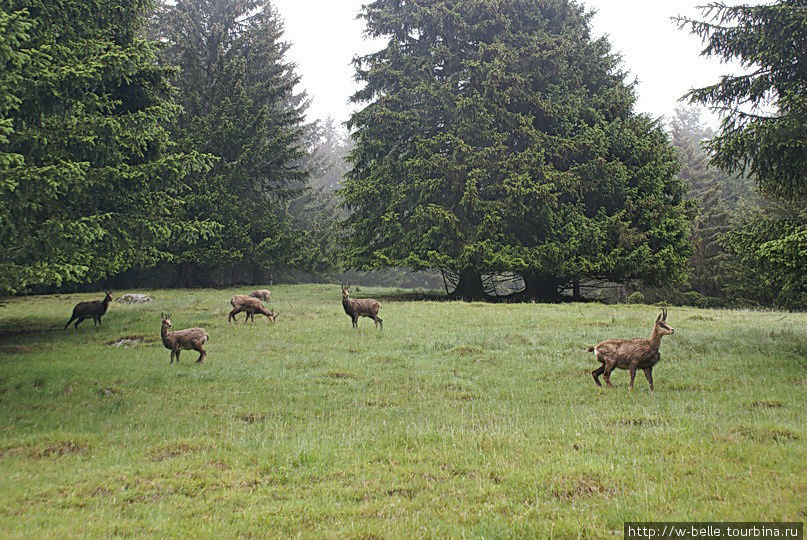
<point>94,308</point>
<point>363,307</point>
<point>252,306</point>
<point>631,354</point>
<point>262,294</point>
<point>183,340</point>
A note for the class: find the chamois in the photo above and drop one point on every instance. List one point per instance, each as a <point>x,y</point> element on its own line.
<point>262,294</point>
<point>631,354</point>
<point>364,307</point>
<point>251,305</point>
<point>182,340</point>
<point>94,308</point>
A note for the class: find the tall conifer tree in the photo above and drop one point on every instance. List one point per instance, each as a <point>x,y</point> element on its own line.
<point>238,92</point>
<point>90,182</point>
<point>763,134</point>
<point>764,110</point>
<point>499,136</point>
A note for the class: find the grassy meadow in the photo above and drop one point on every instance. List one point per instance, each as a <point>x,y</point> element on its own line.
<point>457,420</point>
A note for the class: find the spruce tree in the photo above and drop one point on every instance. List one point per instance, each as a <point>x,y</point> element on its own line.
<point>317,214</point>
<point>717,199</point>
<point>763,134</point>
<point>499,136</point>
<point>764,110</point>
<point>238,93</point>
<point>90,182</point>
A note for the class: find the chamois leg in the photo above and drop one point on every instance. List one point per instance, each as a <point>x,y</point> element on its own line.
<point>68,322</point>
<point>231,316</point>
<point>202,355</point>
<point>597,372</point>
<point>378,321</point>
<point>172,357</point>
<point>79,321</point>
<point>355,322</point>
<point>607,375</point>
<point>648,372</point>
<point>632,374</point>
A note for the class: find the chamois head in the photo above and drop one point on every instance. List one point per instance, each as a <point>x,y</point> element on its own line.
<point>166,317</point>
<point>108,297</point>
<point>661,324</point>
<point>346,291</point>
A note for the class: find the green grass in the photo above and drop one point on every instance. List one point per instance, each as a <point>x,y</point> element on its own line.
<point>477,420</point>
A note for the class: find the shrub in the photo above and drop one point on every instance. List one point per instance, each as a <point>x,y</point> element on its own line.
<point>636,298</point>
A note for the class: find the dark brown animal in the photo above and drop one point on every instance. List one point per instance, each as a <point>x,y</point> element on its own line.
<point>85,310</point>
<point>364,307</point>
<point>631,354</point>
<point>251,306</point>
<point>190,338</point>
<point>262,294</point>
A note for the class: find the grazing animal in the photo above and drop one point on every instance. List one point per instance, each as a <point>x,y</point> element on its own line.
<point>183,340</point>
<point>262,294</point>
<point>94,308</point>
<point>364,307</point>
<point>252,306</point>
<point>631,354</point>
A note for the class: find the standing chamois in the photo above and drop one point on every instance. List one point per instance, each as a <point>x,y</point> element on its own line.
<point>190,338</point>
<point>94,308</point>
<point>262,294</point>
<point>631,354</point>
<point>252,306</point>
<point>364,307</point>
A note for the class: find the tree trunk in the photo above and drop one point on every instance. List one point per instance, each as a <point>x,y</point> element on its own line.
<point>541,286</point>
<point>445,282</point>
<point>576,296</point>
<point>470,286</point>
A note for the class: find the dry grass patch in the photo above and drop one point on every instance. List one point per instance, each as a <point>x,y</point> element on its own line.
<point>175,449</point>
<point>574,487</point>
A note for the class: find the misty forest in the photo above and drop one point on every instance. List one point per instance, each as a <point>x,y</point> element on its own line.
<point>495,151</point>
<point>496,208</point>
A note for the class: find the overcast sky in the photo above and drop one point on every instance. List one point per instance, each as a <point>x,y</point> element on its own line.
<point>325,36</point>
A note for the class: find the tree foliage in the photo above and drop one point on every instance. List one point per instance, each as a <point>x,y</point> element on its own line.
<point>237,90</point>
<point>499,136</point>
<point>90,182</point>
<point>764,126</point>
<point>748,250</point>
<point>769,249</point>
<point>317,215</point>
<point>718,199</point>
